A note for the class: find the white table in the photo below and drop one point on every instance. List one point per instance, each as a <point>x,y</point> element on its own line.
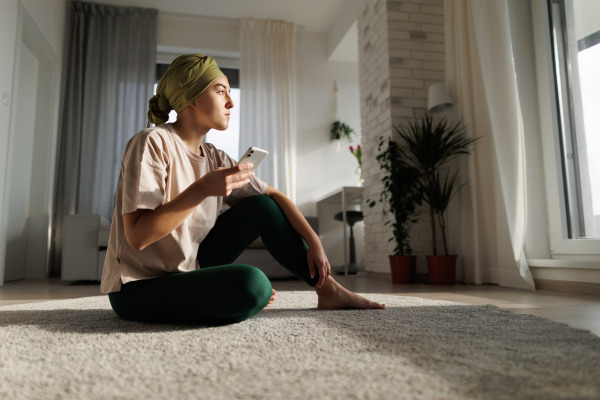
<point>345,196</point>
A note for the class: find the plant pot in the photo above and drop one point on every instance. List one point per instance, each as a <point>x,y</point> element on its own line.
<point>403,268</point>
<point>442,269</point>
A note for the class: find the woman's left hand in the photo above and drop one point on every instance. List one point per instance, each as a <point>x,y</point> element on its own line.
<point>316,257</point>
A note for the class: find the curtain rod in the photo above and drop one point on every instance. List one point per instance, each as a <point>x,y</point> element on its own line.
<point>235,21</point>
<point>198,17</point>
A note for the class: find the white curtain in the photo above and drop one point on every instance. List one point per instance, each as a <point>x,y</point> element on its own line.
<point>108,78</point>
<point>480,72</point>
<point>268,98</point>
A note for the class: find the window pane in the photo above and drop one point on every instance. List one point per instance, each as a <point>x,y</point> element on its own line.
<point>576,47</point>
<point>589,69</point>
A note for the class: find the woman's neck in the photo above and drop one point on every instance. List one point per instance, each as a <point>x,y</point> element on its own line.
<point>190,135</point>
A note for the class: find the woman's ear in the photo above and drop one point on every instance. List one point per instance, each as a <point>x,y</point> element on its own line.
<point>193,103</point>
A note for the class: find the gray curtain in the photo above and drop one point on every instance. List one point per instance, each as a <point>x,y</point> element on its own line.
<point>108,78</point>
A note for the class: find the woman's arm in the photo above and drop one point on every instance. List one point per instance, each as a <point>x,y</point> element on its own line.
<point>144,227</point>
<point>316,253</point>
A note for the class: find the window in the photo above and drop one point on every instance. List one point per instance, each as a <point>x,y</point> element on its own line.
<point>228,140</point>
<point>575,40</point>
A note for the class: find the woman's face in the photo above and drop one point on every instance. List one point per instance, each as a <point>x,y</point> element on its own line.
<point>211,110</point>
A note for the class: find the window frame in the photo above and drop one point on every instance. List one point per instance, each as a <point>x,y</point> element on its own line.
<point>561,246</point>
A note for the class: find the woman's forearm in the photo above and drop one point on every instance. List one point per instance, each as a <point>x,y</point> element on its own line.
<point>144,227</point>
<point>295,217</point>
<point>316,257</point>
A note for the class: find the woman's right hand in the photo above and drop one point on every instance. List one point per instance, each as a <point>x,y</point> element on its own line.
<point>144,227</point>
<point>222,181</point>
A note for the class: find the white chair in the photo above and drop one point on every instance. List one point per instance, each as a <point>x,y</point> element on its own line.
<point>85,238</point>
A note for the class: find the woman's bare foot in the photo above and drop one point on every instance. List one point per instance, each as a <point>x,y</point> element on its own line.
<point>272,297</point>
<point>333,296</point>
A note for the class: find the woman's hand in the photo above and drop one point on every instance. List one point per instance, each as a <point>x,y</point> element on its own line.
<point>222,181</point>
<point>144,227</point>
<point>316,257</point>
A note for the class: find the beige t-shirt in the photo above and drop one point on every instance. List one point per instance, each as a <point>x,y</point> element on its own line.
<point>155,168</point>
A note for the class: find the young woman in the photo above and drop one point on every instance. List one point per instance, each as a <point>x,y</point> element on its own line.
<point>170,251</point>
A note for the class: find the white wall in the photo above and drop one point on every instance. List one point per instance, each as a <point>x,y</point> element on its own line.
<point>8,31</point>
<point>180,33</point>
<point>321,169</point>
<point>18,179</point>
<point>49,18</point>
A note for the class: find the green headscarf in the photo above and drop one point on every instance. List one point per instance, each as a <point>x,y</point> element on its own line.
<point>185,79</point>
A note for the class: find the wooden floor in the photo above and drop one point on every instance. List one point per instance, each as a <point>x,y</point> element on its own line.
<point>580,311</point>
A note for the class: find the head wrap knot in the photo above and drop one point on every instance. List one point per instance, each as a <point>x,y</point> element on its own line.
<point>185,79</point>
<point>158,110</point>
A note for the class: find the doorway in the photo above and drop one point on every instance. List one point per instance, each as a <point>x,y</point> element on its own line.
<point>31,155</point>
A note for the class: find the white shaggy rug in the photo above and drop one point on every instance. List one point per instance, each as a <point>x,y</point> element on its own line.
<point>415,349</point>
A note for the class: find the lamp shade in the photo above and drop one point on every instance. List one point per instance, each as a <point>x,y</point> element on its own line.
<point>439,100</point>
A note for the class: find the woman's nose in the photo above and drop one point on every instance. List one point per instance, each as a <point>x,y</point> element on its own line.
<point>229,103</point>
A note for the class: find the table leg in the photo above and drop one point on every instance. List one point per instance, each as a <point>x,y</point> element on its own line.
<point>345,222</point>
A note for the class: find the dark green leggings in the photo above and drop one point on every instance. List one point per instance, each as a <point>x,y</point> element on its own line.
<point>220,292</point>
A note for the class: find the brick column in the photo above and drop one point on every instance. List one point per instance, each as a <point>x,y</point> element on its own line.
<point>401,52</point>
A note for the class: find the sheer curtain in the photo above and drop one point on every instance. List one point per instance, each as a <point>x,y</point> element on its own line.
<point>108,76</point>
<point>480,71</point>
<point>268,94</point>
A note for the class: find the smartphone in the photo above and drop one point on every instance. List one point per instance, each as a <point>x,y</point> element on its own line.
<point>255,156</point>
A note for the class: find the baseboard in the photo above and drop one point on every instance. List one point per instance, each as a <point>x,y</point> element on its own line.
<point>568,286</point>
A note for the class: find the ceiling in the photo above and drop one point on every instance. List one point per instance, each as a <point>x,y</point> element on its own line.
<point>309,15</point>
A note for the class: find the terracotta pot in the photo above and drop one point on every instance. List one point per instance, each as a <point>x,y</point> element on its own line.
<point>403,268</point>
<point>442,269</point>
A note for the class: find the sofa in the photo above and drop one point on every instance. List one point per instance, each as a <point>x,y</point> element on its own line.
<point>85,239</point>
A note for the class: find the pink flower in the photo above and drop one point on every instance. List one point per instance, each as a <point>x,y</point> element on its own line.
<point>352,149</point>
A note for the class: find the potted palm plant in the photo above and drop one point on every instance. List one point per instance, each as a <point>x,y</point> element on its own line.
<point>400,196</point>
<point>429,146</point>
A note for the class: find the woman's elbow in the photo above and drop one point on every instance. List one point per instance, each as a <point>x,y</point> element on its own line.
<point>133,235</point>
<point>135,244</point>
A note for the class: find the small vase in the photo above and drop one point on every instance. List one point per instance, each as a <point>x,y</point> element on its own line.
<point>360,177</point>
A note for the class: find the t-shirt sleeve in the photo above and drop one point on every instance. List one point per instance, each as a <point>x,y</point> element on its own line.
<point>253,188</point>
<point>144,169</point>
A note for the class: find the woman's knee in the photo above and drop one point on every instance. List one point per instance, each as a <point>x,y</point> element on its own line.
<point>261,204</point>
<point>252,286</point>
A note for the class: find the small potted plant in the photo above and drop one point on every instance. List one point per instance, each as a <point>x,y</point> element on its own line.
<point>400,196</point>
<point>429,146</point>
<point>340,130</point>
